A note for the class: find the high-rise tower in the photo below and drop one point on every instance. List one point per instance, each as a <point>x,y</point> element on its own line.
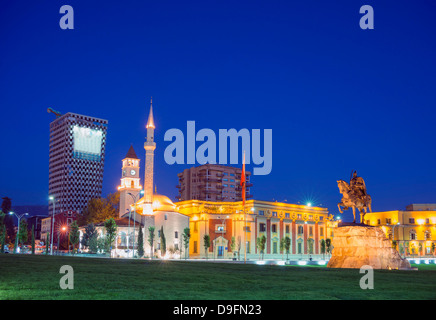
<point>76,161</point>
<point>130,185</point>
<point>149,147</point>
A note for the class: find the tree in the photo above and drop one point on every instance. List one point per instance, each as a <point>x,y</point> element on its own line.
<point>74,234</point>
<point>33,239</point>
<point>2,232</point>
<point>8,219</point>
<point>310,245</point>
<point>287,246</point>
<point>186,237</point>
<point>323,247</point>
<point>233,246</point>
<point>101,244</point>
<point>47,243</point>
<point>151,240</point>
<point>89,233</point>
<point>140,243</point>
<point>282,246</point>
<point>328,244</point>
<point>163,245</point>
<point>433,247</point>
<point>111,233</point>
<point>260,243</point>
<point>92,243</point>
<point>3,239</point>
<point>206,240</point>
<point>100,209</point>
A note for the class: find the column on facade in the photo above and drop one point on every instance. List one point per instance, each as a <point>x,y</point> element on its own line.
<point>281,234</point>
<point>294,238</point>
<point>305,232</point>
<point>255,235</point>
<point>268,236</point>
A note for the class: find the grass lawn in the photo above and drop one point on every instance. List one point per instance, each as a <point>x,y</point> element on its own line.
<point>37,277</point>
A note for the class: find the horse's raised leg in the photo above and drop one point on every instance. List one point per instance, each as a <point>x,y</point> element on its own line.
<point>339,207</point>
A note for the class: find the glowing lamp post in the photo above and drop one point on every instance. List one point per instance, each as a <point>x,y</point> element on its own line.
<point>59,235</point>
<point>18,232</point>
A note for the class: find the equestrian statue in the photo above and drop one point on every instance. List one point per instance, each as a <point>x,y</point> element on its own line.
<point>354,196</point>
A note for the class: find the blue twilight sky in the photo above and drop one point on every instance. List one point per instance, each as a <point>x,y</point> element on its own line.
<point>338,98</point>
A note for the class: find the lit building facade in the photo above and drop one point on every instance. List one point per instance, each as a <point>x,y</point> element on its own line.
<point>212,182</point>
<point>225,223</point>
<point>412,230</point>
<point>76,161</point>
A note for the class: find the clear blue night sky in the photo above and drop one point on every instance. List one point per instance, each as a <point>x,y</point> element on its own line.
<point>338,98</point>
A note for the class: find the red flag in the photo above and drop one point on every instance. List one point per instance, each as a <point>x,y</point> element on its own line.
<point>243,181</point>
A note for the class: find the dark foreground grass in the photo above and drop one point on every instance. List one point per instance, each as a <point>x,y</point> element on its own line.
<point>37,277</point>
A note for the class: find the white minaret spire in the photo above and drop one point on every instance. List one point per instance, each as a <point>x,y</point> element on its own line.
<point>149,147</point>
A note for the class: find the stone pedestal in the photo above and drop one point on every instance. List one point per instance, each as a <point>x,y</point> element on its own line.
<point>357,245</point>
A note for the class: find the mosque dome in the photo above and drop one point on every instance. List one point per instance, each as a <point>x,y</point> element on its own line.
<point>160,203</point>
<point>163,203</point>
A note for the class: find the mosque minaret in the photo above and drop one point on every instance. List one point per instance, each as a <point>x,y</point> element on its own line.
<point>149,146</point>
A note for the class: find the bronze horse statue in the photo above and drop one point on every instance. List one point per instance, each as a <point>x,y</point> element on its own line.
<point>352,198</point>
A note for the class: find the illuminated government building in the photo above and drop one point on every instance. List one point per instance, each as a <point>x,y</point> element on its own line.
<point>225,222</point>
<point>413,230</point>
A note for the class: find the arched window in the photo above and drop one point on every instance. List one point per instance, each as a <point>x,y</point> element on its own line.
<point>427,235</point>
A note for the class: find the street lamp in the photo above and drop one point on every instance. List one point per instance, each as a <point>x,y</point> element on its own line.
<point>59,235</point>
<point>18,232</point>
<point>134,216</point>
<point>52,198</point>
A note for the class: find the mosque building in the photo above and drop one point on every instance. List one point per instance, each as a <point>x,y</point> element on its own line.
<point>149,209</point>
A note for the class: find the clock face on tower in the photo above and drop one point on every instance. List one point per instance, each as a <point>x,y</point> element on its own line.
<point>132,172</point>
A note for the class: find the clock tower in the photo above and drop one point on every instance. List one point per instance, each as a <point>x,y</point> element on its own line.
<point>130,187</point>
